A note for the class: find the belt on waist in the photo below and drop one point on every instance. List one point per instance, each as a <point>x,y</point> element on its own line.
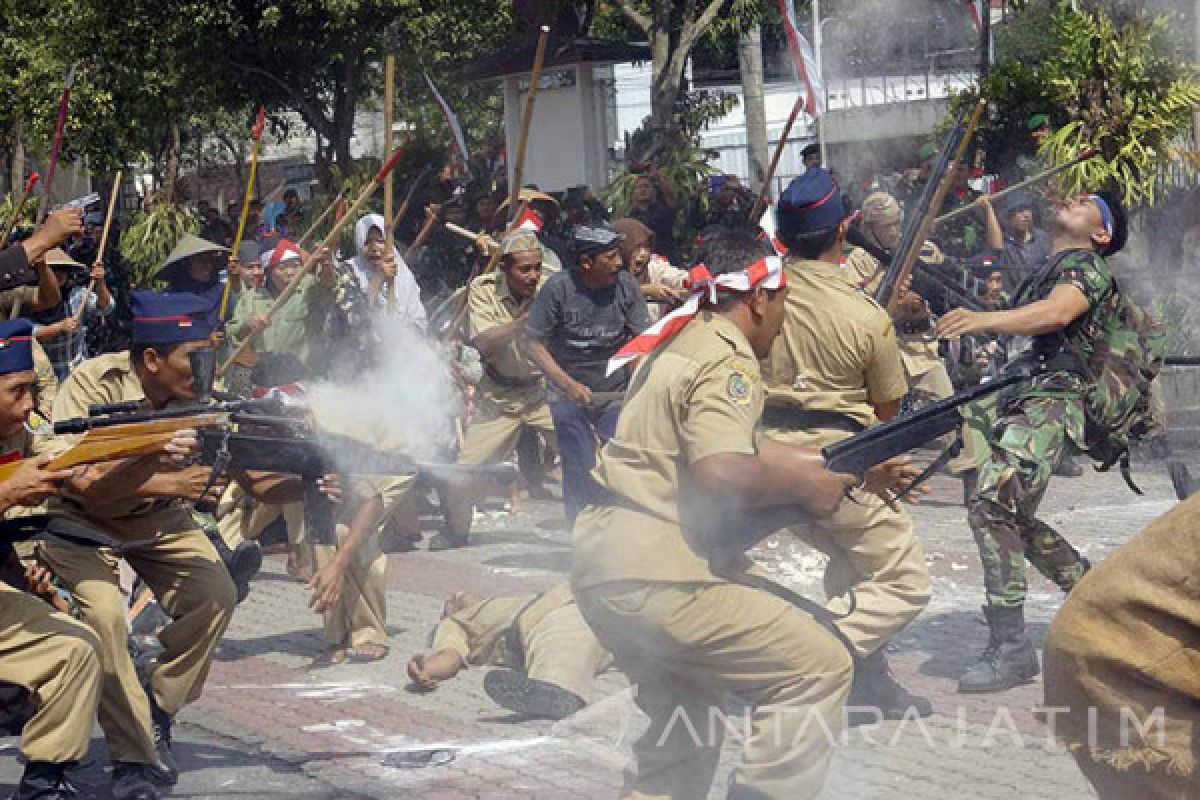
<point>506,382</point>
<point>790,418</point>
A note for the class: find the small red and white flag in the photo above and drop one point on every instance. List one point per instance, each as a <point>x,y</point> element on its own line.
<point>975,7</point>
<point>289,395</point>
<point>766,224</point>
<point>530,220</point>
<point>804,63</point>
<point>460,139</point>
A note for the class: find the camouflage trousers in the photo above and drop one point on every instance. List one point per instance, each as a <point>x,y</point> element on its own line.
<point>1016,460</point>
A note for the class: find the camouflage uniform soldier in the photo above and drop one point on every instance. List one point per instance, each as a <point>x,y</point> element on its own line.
<point>1065,307</point>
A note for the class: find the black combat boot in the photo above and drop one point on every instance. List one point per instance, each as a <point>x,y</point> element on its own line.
<point>243,562</point>
<point>132,781</point>
<point>530,698</point>
<point>1009,659</point>
<point>876,693</point>
<point>164,771</point>
<point>45,781</point>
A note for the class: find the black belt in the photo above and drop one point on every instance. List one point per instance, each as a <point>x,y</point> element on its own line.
<point>506,382</point>
<point>790,418</point>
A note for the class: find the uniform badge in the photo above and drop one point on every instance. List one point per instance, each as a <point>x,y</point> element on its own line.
<point>738,388</point>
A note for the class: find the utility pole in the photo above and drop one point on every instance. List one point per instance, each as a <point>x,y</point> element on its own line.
<point>819,123</point>
<point>750,64</point>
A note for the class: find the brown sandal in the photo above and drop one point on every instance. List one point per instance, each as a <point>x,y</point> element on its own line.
<point>367,654</point>
<point>330,658</point>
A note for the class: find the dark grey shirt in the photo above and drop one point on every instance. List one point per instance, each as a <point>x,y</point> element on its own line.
<point>1022,259</point>
<point>582,328</point>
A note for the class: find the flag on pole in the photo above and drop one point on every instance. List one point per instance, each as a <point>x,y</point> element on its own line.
<point>976,9</point>
<point>460,140</point>
<point>804,63</point>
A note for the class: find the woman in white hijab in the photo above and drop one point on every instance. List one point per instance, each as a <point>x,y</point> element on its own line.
<point>373,268</point>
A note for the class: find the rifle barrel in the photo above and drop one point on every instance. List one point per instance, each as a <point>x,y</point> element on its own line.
<point>1181,361</point>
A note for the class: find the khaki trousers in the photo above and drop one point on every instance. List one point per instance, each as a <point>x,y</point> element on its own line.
<point>685,648</point>
<point>241,518</point>
<point>360,616</point>
<point>194,589</point>
<point>561,649</point>
<point>876,577</point>
<point>54,657</point>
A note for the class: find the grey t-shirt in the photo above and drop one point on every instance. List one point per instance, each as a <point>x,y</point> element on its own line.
<point>582,328</point>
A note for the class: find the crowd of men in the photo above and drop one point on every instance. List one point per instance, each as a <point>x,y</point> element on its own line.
<point>670,390</point>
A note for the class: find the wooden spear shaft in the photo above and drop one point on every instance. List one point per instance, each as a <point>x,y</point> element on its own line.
<point>20,209</point>
<point>108,218</point>
<point>321,219</point>
<point>1030,181</point>
<point>311,260</point>
<point>765,191</point>
<point>223,314</point>
<point>423,235</point>
<point>389,235</point>
<point>518,176</point>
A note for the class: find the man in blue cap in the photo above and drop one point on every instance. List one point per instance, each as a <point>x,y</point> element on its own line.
<point>142,505</point>
<point>836,370</point>
<point>48,653</point>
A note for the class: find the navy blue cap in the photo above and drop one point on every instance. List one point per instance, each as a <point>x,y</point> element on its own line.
<point>16,346</point>
<point>811,203</point>
<point>170,317</point>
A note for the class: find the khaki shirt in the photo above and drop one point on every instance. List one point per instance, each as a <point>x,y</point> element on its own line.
<point>109,378</point>
<point>700,395</point>
<point>837,351</point>
<point>17,302</point>
<point>294,328</point>
<point>491,305</point>
<point>918,351</point>
<point>47,381</point>
<point>480,633</point>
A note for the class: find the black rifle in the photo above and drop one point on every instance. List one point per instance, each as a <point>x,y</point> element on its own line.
<point>927,281</point>
<point>735,530</point>
<point>916,216</point>
<point>1181,361</point>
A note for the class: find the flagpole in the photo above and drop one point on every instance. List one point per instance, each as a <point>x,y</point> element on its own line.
<point>820,125</point>
<point>389,235</point>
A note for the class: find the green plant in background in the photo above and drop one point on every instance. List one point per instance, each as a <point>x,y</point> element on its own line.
<point>1180,316</point>
<point>149,238</point>
<point>1125,93</point>
<point>9,205</point>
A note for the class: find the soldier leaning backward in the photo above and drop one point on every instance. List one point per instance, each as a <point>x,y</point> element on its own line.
<point>1065,306</point>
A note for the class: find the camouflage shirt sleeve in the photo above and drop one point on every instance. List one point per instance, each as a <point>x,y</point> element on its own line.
<point>1087,272</point>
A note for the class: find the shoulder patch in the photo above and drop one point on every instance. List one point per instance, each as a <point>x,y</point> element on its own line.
<point>738,388</point>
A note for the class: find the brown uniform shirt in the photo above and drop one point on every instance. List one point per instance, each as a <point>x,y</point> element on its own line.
<point>491,305</point>
<point>837,351</point>
<point>918,351</point>
<point>480,633</point>
<point>700,395</point>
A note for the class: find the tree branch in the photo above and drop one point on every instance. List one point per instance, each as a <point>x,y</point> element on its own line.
<point>636,17</point>
<point>307,109</point>
<point>707,18</point>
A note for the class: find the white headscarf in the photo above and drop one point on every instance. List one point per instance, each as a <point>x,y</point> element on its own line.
<point>408,294</point>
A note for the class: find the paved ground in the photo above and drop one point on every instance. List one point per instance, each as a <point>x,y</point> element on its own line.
<point>267,726</point>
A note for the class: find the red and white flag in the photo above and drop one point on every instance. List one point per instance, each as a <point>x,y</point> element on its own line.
<point>460,139</point>
<point>976,8</point>
<point>804,63</point>
<point>530,220</point>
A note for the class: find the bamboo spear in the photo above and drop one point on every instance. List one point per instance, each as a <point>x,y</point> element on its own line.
<point>764,192</point>
<point>329,209</point>
<point>108,218</point>
<point>389,235</point>
<point>311,260</point>
<point>56,146</point>
<point>256,132</point>
<point>518,176</point>
<point>1041,176</point>
<point>20,209</point>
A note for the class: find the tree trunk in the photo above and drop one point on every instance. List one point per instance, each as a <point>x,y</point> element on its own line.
<point>18,157</point>
<point>172,168</point>
<point>750,63</point>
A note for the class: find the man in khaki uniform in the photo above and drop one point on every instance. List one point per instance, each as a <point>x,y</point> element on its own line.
<point>835,370</point>
<point>924,369</point>
<point>141,507</point>
<point>49,654</point>
<point>686,630</point>
<point>511,395</point>
<point>551,653</point>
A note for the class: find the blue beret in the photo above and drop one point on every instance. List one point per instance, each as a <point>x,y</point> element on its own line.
<point>170,317</point>
<point>16,346</point>
<point>811,203</point>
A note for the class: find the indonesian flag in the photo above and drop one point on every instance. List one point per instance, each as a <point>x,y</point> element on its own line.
<point>289,395</point>
<point>530,220</point>
<point>767,273</point>
<point>460,139</point>
<point>284,251</point>
<point>804,63</point>
<point>976,8</point>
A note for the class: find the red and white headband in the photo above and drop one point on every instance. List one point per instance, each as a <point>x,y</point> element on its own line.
<point>766,273</point>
